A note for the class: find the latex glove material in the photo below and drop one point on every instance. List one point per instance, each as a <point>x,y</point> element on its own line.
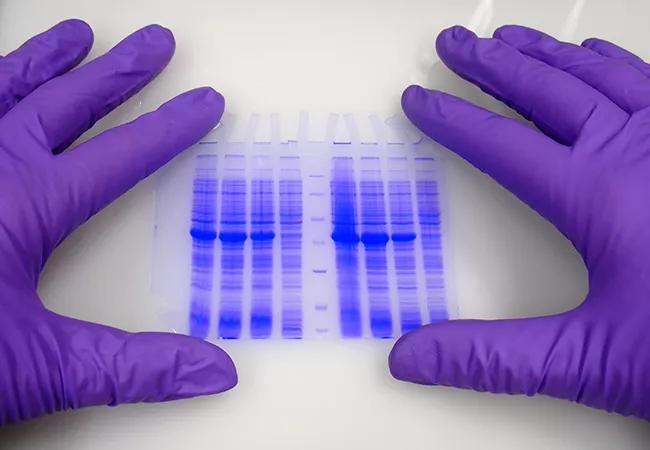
<point>49,362</point>
<point>588,172</point>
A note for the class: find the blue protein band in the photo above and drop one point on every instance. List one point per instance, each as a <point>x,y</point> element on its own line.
<point>203,232</point>
<point>317,232</point>
<point>262,236</point>
<point>291,248</point>
<point>429,218</point>
<point>374,237</point>
<point>346,240</point>
<point>403,237</point>
<point>232,236</point>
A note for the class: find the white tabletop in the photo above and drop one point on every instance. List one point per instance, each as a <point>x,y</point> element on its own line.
<point>338,56</point>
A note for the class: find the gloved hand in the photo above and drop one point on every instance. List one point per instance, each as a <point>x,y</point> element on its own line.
<point>588,172</point>
<point>49,362</point>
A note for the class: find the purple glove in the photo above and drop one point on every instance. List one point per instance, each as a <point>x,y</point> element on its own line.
<point>588,172</point>
<point>49,362</point>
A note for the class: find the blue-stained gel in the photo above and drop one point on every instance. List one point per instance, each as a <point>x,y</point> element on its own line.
<point>291,248</point>
<point>232,236</point>
<point>413,215</point>
<point>429,217</point>
<point>346,241</point>
<point>203,232</point>
<point>262,235</point>
<point>403,237</point>
<point>374,237</point>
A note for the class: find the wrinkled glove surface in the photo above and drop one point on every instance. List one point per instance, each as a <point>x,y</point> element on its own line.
<point>49,362</point>
<point>587,170</point>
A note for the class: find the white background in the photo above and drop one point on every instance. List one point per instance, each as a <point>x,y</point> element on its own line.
<point>339,56</point>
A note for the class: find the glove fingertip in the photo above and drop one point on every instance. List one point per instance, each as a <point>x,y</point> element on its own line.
<point>75,32</point>
<point>159,367</point>
<point>218,375</point>
<point>157,34</point>
<point>211,100</point>
<point>517,36</point>
<point>451,38</point>
<point>411,97</point>
<point>146,52</point>
<point>504,30</point>
<point>203,105</point>
<point>591,42</point>
<point>406,361</point>
<point>196,368</point>
<point>430,110</point>
<point>399,361</point>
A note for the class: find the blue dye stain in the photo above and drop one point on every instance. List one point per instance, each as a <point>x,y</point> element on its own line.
<point>291,251</point>
<point>262,235</point>
<point>202,230</point>
<point>203,235</point>
<point>346,239</point>
<point>374,239</point>
<point>403,237</point>
<point>232,236</point>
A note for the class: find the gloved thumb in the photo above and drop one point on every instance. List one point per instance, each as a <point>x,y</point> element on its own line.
<point>106,366</point>
<point>518,356</point>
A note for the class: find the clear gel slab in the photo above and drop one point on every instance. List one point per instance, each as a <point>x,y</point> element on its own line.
<point>303,228</point>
